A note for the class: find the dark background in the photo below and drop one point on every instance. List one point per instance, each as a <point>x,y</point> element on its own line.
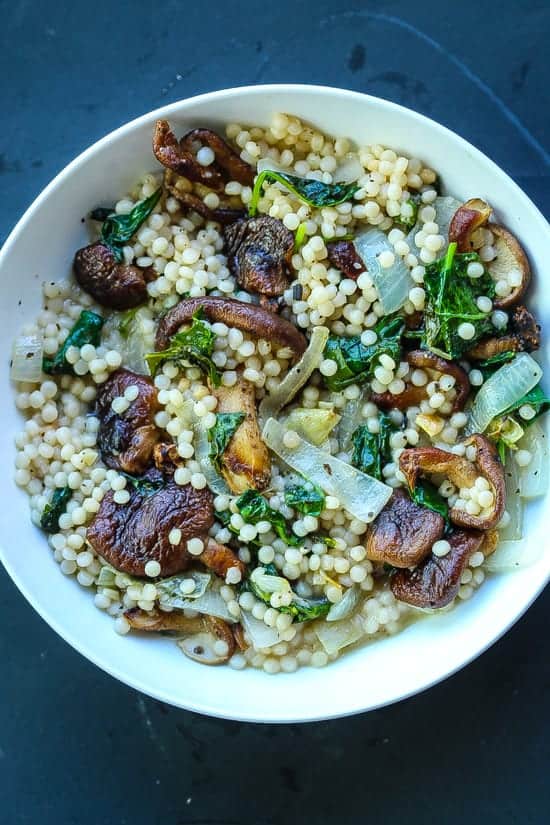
<point>75,745</point>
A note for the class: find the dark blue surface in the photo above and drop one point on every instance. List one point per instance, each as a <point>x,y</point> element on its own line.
<point>78,747</point>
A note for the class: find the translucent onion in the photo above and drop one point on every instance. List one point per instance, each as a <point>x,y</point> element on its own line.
<point>503,389</point>
<point>514,503</point>
<point>445,207</point>
<point>351,418</point>
<point>269,584</point>
<point>346,606</point>
<point>336,635</point>
<point>210,603</point>
<point>535,477</point>
<point>359,494</point>
<point>392,284</point>
<point>511,555</point>
<point>170,594</point>
<point>259,634</point>
<point>26,365</point>
<point>295,378</point>
<point>349,170</point>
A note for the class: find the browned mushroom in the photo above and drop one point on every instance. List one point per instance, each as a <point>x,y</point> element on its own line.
<point>467,218</point>
<point>129,535</point>
<point>247,317</point>
<point>259,251</point>
<point>226,158</point>
<point>343,256</point>
<point>127,439</point>
<point>403,533</point>
<point>245,462</point>
<point>226,213</point>
<point>435,582</point>
<point>523,336</point>
<point>110,283</point>
<point>220,559</point>
<point>463,474</point>
<point>202,632</point>
<point>412,395</point>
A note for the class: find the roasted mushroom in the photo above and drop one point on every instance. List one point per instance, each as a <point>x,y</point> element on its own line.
<point>202,633</point>
<point>227,212</point>
<point>247,317</point>
<point>435,582</point>
<point>259,251</point>
<point>343,256</point>
<point>127,439</point>
<point>523,336</point>
<point>463,473</point>
<point>413,395</point>
<point>403,533</point>
<point>510,256</point>
<point>245,462</point>
<point>129,535</point>
<point>110,283</point>
<point>220,559</point>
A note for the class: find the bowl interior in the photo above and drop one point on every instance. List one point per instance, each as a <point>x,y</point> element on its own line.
<point>41,248</point>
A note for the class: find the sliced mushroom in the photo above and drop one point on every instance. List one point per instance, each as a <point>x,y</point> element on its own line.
<point>510,256</point>
<point>343,256</point>
<point>220,559</point>
<point>403,533</point>
<point>129,535</point>
<point>247,317</point>
<point>203,633</point>
<point>436,582</point>
<point>467,218</point>
<point>166,457</point>
<point>245,462</point>
<point>234,167</point>
<point>127,439</point>
<point>110,283</point>
<point>462,473</point>
<point>523,336</point>
<point>259,252</point>
<point>226,213</point>
<point>412,395</point>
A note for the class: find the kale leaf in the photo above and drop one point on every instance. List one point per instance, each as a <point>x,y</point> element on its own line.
<point>254,508</point>
<point>145,486</point>
<point>87,330</point>
<point>301,609</point>
<point>313,192</point>
<point>194,345</point>
<point>370,450</point>
<point>305,498</point>
<point>221,434</point>
<point>49,521</point>
<point>407,223</point>
<point>426,494</point>
<point>118,229</point>
<point>356,362</point>
<point>451,301</point>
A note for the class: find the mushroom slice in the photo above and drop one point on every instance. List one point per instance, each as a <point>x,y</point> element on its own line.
<point>523,336</point>
<point>412,395</point>
<point>173,155</point>
<point>159,620</point>
<point>214,644</point>
<point>245,462</point>
<point>220,559</point>
<point>343,256</point>
<point>127,439</point>
<point>259,252</point>
<point>247,317</point>
<point>110,283</point>
<point>167,458</point>
<point>463,474</point>
<point>435,582</point>
<point>403,533</point>
<point>129,535</point>
<point>467,218</point>
<point>227,158</point>
<point>510,257</point>
<point>182,190</point>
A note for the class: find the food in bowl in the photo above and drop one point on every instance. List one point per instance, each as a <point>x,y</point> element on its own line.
<point>287,401</point>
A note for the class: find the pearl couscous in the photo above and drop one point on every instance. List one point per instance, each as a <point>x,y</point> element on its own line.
<point>272,410</point>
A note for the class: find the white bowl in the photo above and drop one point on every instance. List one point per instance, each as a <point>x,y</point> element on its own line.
<point>41,248</point>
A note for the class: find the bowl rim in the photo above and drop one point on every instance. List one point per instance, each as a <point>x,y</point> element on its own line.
<point>80,160</point>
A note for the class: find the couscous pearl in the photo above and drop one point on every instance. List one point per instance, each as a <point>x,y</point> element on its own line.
<point>523,458</point>
<point>152,569</point>
<point>195,546</point>
<point>441,548</point>
<point>466,331</point>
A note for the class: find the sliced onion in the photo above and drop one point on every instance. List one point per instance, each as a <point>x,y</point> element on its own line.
<point>346,606</point>
<point>259,634</point>
<point>534,478</point>
<point>202,455</point>
<point>313,424</point>
<point>394,283</point>
<point>511,555</point>
<point>169,591</point>
<point>514,503</point>
<point>445,207</point>
<point>349,170</point>
<point>265,164</point>
<point>505,387</point>
<point>359,494</point>
<point>26,365</point>
<point>295,378</point>
<point>336,635</point>
<point>351,418</point>
<point>210,603</point>
<point>269,584</point>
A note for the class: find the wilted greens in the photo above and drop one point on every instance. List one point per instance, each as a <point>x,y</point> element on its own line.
<point>301,609</point>
<point>371,450</point>
<point>87,330</point>
<point>118,229</point>
<point>426,494</point>
<point>194,345</point>
<point>49,520</point>
<point>254,508</point>
<point>313,192</point>
<point>356,362</point>
<point>221,434</point>
<point>305,498</point>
